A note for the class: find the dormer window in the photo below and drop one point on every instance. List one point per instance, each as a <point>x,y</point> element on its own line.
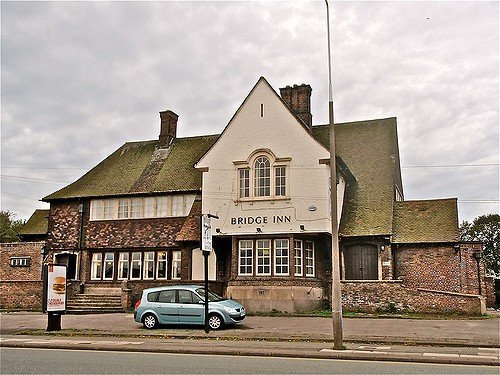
<point>262,176</point>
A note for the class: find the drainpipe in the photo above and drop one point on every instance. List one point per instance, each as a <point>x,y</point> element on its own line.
<point>478,256</point>
<point>80,244</point>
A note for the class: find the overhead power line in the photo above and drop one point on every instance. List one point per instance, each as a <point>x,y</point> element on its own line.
<point>451,165</point>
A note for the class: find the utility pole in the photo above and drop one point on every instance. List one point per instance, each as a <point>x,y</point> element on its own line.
<point>336,290</point>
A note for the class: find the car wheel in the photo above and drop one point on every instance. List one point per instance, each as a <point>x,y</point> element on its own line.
<point>150,321</point>
<point>214,321</point>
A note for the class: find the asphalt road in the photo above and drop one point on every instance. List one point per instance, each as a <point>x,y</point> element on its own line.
<point>55,361</point>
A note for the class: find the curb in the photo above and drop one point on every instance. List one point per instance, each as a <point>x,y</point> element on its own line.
<point>257,352</point>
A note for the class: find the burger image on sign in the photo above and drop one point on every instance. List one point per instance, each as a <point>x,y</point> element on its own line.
<point>59,285</point>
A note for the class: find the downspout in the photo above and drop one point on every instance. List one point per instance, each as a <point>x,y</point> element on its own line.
<point>80,244</point>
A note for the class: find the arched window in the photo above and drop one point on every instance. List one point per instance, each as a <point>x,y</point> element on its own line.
<point>262,168</point>
<point>262,176</point>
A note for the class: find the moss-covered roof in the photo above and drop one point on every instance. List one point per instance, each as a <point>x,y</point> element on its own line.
<point>37,224</point>
<point>369,148</point>
<point>142,168</point>
<point>426,221</point>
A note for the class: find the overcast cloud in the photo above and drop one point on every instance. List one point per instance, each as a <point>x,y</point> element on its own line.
<point>81,78</point>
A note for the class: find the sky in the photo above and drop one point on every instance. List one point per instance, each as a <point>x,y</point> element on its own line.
<point>79,79</point>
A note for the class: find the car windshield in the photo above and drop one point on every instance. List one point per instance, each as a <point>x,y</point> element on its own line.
<point>212,297</point>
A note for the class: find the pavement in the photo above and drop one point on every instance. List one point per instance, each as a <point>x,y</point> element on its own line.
<point>457,341</point>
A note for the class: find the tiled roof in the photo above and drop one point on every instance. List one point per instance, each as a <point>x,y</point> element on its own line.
<point>426,221</point>
<point>369,148</point>
<point>141,168</point>
<point>37,223</point>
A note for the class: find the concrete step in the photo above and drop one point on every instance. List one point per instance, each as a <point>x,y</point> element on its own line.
<point>94,310</point>
<point>102,291</point>
<point>94,297</point>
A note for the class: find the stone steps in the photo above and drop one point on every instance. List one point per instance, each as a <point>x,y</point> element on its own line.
<point>94,302</point>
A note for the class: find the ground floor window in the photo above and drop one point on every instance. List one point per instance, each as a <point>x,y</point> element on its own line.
<point>136,265</point>
<point>272,257</point>
<point>304,257</point>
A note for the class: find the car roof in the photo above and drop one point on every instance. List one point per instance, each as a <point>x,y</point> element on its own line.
<point>172,287</point>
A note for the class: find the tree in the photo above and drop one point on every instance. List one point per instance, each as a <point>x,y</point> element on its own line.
<point>485,228</point>
<point>9,228</point>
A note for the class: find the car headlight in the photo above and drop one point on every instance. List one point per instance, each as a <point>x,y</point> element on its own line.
<point>230,310</point>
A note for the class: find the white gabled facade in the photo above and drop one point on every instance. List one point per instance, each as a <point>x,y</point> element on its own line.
<point>300,203</point>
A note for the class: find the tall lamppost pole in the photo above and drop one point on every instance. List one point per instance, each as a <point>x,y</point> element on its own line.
<point>336,290</point>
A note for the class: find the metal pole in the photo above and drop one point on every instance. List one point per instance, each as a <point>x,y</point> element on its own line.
<point>205,256</point>
<point>336,290</point>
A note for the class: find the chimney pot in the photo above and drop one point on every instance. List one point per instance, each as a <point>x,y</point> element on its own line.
<point>168,128</point>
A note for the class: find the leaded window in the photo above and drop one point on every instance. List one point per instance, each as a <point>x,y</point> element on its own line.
<point>309,253</point>
<point>123,266</point>
<point>281,255</point>
<point>244,180</point>
<point>262,170</point>
<point>149,262</point>
<point>263,257</point>
<point>297,256</point>
<point>245,266</point>
<point>176,265</point>
<point>280,180</point>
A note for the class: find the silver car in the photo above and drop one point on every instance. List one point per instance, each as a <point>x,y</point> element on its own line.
<point>185,304</point>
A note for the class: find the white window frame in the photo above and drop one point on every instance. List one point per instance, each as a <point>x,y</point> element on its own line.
<point>149,260</point>
<point>280,180</point>
<point>96,268</point>
<point>244,182</point>
<point>20,261</point>
<point>245,261</point>
<point>162,257</point>
<point>298,251</point>
<point>127,208</point>
<point>262,257</point>
<point>310,256</point>
<point>262,168</point>
<point>176,265</point>
<point>135,261</point>
<point>281,260</point>
<point>123,263</point>
<point>107,262</point>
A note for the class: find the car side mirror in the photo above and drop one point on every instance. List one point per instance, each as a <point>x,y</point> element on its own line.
<point>201,302</point>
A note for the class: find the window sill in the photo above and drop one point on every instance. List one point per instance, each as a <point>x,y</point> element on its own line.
<point>262,199</point>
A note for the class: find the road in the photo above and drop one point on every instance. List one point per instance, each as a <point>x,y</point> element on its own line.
<point>56,361</point>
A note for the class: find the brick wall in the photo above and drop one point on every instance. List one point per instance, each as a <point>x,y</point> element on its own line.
<point>31,250</point>
<point>132,233</point>
<point>21,295</point>
<point>441,267</point>
<point>394,296</point>
<point>64,225</point>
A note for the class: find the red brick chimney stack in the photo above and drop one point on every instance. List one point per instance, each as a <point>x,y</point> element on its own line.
<point>168,128</point>
<point>298,99</point>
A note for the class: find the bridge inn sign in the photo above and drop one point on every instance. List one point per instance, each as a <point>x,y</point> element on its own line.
<point>134,219</point>
<point>249,220</point>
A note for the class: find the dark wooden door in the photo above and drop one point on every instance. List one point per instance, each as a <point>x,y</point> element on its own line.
<point>361,262</point>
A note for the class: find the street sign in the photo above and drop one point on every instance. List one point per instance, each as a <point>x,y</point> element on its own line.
<point>206,233</point>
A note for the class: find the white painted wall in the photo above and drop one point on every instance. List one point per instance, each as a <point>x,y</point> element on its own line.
<point>307,180</point>
<point>197,268</point>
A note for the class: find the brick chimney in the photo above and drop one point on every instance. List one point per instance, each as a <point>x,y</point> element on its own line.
<point>168,128</point>
<point>298,99</point>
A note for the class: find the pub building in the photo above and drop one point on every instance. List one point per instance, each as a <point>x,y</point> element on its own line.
<point>133,221</point>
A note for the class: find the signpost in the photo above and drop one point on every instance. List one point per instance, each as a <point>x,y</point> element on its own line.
<point>206,247</point>
<point>54,294</point>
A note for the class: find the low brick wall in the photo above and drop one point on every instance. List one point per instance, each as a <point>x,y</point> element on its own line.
<point>21,295</point>
<point>395,297</point>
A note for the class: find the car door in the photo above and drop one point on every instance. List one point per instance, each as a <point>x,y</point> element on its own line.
<point>166,307</point>
<point>190,310</point>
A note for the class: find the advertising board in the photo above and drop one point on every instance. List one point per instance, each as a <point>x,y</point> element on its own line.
<point>54,288</point>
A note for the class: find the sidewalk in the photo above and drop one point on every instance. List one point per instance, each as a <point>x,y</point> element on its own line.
<point>458,341</point>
